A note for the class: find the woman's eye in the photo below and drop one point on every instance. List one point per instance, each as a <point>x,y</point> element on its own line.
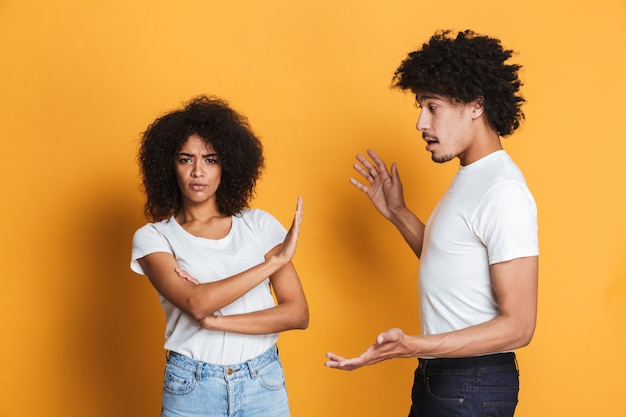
<point>184,160</point>
<point>212,161</point>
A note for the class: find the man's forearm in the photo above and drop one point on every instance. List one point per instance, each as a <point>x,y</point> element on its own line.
<point>411,228</point>
<point>497,335</point>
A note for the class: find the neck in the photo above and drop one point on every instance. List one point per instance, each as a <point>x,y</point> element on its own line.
<point>485,142</point>
<point>192,213</point>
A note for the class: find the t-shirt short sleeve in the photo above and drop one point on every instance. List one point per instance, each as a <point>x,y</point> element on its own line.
<point>147,240</point>
<point>269,229</point>
<point>507,223</point>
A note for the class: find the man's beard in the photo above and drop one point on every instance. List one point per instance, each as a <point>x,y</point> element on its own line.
<point>443,159</point>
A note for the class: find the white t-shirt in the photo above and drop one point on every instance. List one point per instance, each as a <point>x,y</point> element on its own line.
<point>252,235</point>
<point>487,216</point>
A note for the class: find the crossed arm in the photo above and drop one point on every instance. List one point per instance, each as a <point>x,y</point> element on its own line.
<point>201,301</point>
<point>514,283</point>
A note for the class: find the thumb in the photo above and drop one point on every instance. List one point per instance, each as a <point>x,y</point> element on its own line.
<point>394,171</point>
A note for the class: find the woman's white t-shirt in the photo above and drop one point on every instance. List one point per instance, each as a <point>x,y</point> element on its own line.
<point>252,234</point>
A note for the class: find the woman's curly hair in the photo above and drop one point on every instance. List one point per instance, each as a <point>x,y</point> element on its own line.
<point>467,67</point>
<point>230,135</point>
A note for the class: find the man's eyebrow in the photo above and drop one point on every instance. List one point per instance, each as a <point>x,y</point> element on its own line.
<point>422,97</point>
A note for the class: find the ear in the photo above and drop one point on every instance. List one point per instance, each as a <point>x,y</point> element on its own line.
<point>478,107</point>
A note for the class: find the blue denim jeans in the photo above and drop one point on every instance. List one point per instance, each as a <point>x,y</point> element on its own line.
<point>482,386</point>
<point>255,388</point>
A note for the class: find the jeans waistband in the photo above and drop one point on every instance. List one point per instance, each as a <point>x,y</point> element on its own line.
<point>496,361</point>
<point>205,369</point>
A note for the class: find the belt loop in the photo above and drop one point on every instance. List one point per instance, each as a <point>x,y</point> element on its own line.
<point>423,363</point>
<point>252,369</point>
<point>199,370</point>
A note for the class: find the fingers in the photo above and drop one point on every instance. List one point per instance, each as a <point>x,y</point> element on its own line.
<point>299,206</point>
<point>335,358</point>
<point>299,209</point>
<point>368,170</point>
<point>181,273</point>
<point>288,249</point>
<point>339,362</point>
<point>184,275</point>
<point>297,218</point>
<point>363,171</point>
<point>358,185</point>
<point>394,171</point>
<point>382,167</point>
<point>365,162</point>
<point>390,336</point>
<point>365,168</point>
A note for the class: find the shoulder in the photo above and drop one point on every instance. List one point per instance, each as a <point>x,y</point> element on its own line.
<point>501,178</point>
<point>262,223</point>
<point>509,205</point>
<point>152,230</point>
<point>507,169</point>
<point>511,194</point>
<point>255,216</point>
<point>150,238</point>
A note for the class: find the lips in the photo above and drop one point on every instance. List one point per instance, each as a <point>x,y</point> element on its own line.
<point>430,146</point>
<point>197,186</point>
<point>431,142</point>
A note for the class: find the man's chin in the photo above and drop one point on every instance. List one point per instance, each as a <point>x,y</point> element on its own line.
<point>442,159</point>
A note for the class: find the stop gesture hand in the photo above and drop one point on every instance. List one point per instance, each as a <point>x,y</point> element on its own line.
<point>288,249</point>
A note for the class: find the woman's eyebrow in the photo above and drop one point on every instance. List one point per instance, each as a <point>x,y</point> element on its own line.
<point>191,154</point>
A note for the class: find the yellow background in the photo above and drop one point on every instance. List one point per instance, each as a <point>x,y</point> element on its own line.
<point>81,335</point>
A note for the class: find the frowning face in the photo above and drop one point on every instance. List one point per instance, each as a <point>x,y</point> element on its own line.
<point>198,171</point>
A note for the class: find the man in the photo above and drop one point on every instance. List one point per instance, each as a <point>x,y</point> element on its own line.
<point>479,250</point>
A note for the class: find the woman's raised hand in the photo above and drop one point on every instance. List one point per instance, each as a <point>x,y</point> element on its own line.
<point>288,250</point>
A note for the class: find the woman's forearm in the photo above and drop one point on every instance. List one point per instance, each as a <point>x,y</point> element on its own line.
<point>272,320</point>
<point>207,298</point>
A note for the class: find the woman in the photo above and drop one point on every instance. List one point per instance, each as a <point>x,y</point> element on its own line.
<point>214,262</point>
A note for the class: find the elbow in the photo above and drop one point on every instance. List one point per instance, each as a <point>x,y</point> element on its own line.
<point>303,320</point>
<point>304,324</point>
<point>199,308</point>
<point>525,335</point>
<point>527,338</point>
<point>522,341</point>
<point>300,319</point>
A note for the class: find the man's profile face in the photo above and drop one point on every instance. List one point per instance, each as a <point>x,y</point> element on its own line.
<point>446,126</point>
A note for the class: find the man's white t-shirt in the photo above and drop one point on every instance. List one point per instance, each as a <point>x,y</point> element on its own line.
<point>487,216</point>
<point>253,234</point>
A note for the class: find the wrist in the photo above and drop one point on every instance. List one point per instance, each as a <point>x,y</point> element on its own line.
<point>275,262</point>
<point>399,215</point>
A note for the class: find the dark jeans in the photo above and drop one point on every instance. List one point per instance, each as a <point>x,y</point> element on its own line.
<point>481,386</point>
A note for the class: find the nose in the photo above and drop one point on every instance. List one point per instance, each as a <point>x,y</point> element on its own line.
<point>196,170</point>
<point>422,123</point>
